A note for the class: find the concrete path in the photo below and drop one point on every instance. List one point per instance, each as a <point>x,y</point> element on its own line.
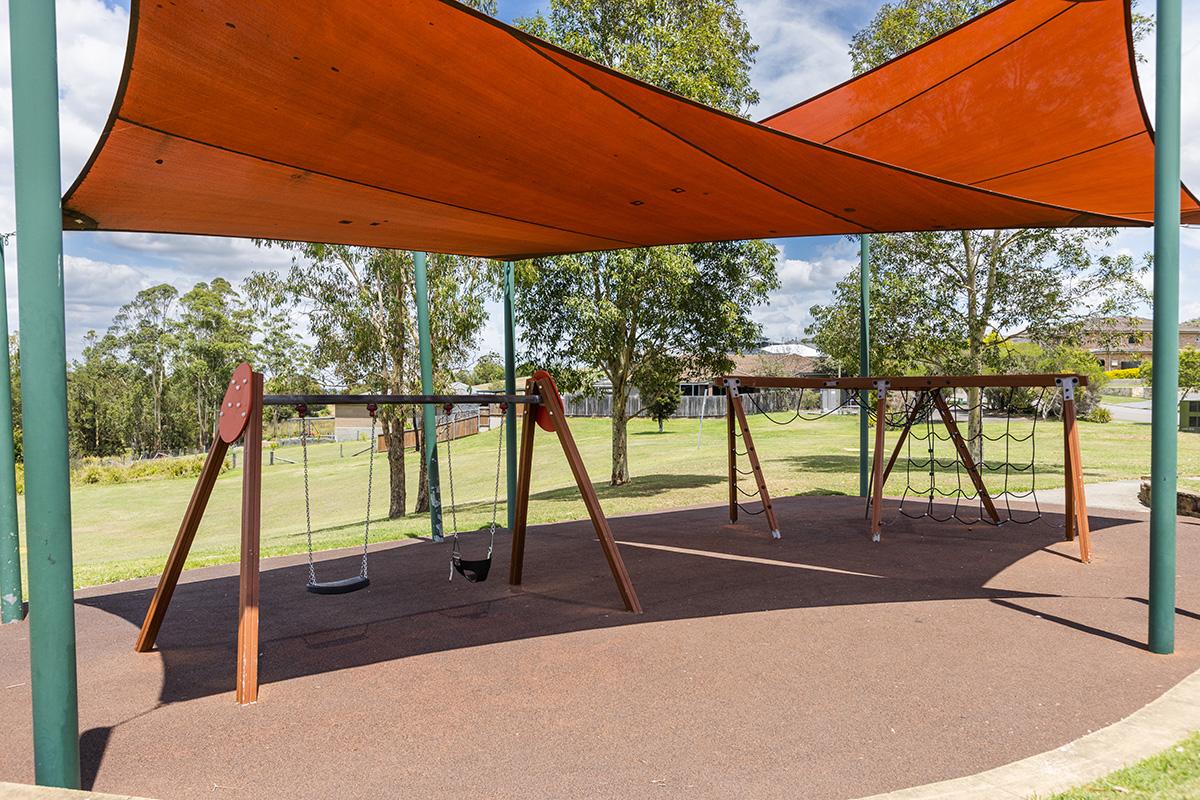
<point>1108,496</point>
<point>1147,732</point>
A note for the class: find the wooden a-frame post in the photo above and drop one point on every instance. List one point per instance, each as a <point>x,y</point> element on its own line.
<point>550,415</point>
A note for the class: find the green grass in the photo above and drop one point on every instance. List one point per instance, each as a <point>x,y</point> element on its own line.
<point>125,530</point>
<point>1172,775</point>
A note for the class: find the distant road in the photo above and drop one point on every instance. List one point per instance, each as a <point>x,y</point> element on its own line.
<point>1129,412</point>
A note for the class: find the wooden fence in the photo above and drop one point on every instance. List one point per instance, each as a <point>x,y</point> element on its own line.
<point>689,405</point>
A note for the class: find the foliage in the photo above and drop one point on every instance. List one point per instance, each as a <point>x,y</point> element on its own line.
<point>360,306</point>
<point>635,315</point>
<point>659,389</point>
<point>1124,374</point>
<point>700,49</point>
<point>1098,413</point>
<point>1027,357</point>
<point>1189,371</point>
<point>153,381</point>
<point>94,470</point>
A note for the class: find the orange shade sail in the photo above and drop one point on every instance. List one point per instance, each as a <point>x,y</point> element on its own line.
<point>423,125</point>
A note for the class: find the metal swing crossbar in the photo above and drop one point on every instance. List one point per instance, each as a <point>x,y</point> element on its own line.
<point>241,417</point>
<point>929,401</point>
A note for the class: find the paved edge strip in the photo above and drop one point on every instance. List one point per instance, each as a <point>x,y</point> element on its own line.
<point>1149,731</point>
<point>21,791</point>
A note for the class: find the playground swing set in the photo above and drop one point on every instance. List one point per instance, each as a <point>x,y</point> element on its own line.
<point>924,404</point>
<point>474,570</point>
<point>241,418</point>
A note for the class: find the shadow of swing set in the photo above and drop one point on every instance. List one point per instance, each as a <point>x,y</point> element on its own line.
<point>241,417</point>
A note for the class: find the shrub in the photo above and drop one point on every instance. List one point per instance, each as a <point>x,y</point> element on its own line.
<point>1098,413</point>
<point>1124,374</point>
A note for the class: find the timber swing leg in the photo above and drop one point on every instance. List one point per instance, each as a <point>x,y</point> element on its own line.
<point>731,442</point>
<point>735,402</point>
<point>247,655</point>
<point>1076,502</point>
<point>550,415</point>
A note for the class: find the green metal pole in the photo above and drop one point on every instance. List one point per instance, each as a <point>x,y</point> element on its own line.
<point>510,387</point>
<point>428,412</point>
<point>12,605</point>
<point>44,392</point>
<point>1165,399</point>
<point>864,356</point>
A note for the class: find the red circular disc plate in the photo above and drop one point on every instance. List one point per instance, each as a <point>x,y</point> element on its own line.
<point>544,420</point>
<point>235,408</point>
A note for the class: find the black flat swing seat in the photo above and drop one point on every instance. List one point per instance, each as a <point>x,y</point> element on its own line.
<point>344,586</point>
<point>476,571</point>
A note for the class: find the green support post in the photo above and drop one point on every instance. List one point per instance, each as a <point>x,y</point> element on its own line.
<point>864,359</point>
<point>428,412</point>
<point>44,393</point>
<point>1165,398</point>
<point>12,604</point>
<point>510,387</point>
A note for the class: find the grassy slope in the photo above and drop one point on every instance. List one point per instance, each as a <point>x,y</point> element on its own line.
<point>125,530</point>
<point>1172,775</point>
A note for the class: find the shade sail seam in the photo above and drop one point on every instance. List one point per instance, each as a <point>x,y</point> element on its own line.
<point>537,45</point>
<point>880,67</point>
<point>366,185</point>
<point>689,143</point>
<point>1059,159</point>
<point>949,77</point>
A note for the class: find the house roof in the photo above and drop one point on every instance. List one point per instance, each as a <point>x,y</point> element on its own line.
<point>425,125</point>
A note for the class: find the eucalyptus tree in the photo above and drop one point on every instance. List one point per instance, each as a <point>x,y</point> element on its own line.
<point>360,309</point>
<point>634,314</point>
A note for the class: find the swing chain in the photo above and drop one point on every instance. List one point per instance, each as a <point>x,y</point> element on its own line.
<point>449,423</point>
<point>302,412</point>
<point>496,496</point>
<point>371,409</point>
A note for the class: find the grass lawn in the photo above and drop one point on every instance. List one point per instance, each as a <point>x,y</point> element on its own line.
<point>1172,775</point>
<point>125,530</point>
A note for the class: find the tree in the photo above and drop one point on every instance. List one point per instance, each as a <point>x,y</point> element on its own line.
<point>1189,371</point>
<point>945,301</point>
<point>660,391</point>
<point>684,306</point>
<point>637,314</point>
<point>100,406</point>
<point>214,333</point>
<point>143,328</point>
<point>360,306</point>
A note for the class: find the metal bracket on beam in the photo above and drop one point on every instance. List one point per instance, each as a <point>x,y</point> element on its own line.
<point>882,385</point>
<point>1068,386</point>
<point>733,384</point>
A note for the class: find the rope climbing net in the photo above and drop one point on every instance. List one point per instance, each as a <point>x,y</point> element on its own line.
<point>967,446</point>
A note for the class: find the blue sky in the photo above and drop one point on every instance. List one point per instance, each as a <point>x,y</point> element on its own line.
<point>803,47</point>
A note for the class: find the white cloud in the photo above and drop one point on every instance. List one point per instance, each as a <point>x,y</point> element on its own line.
<point>803,284</point>
<point>801,51</point>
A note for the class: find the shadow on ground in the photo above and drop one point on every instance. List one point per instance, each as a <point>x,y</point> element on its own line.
<point>685,564</point>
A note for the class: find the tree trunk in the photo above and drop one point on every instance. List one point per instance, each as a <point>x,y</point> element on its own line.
<point>660,425</point>
<point>620,435</point>
<point>393,428</point>
<point>423,473</point>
